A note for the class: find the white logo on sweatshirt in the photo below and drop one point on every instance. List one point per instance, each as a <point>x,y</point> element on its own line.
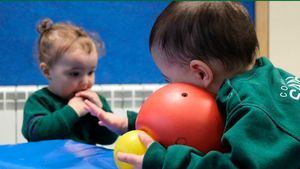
<point>291,88</point>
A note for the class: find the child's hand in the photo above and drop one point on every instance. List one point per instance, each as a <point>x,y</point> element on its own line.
<point>114,122</point>
<point>77,103</point>
<point>133,159</point>
<point>91,96</point>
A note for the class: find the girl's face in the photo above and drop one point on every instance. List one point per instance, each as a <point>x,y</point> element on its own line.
<point>73,72</point>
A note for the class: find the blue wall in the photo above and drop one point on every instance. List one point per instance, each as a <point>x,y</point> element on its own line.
<point>124,27</point>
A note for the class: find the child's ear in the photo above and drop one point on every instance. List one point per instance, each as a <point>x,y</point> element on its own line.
<point>202,71</point>
<point>45,70</point>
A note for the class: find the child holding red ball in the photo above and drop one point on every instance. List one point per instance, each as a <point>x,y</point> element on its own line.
<point>213,45</point>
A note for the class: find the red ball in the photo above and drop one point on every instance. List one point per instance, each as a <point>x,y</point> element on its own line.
<point>180,113</point>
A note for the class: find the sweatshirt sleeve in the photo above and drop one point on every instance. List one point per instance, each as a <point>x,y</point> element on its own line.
<point>181,156</point>
<point>252,140</point>
<point>40,123</point>
<point>106,107</point>
<point>131,116</point>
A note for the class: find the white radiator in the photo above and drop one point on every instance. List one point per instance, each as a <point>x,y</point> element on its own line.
<point>12,99</point>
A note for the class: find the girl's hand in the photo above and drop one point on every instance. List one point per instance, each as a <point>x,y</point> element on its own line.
<point>114,122</point>
<point>91,96</point>
<point>78,105</point>
<point>133,159</point>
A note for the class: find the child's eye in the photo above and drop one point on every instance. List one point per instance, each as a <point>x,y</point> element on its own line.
<point>74,74</point>
<point>91,72</point>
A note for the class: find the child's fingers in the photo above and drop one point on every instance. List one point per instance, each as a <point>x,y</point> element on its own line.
<point>98,112</point>
<point>85,94</point>
<point>133,159</point>
<point>145,139</point>
<point>86,108</point>
<point>91,106</point>
<point>91,96</point>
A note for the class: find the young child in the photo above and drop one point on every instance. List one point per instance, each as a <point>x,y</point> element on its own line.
<point>213,45</point>
<point>68,58</point>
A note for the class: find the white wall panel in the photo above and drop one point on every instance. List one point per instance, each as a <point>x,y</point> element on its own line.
<point>284,37</point>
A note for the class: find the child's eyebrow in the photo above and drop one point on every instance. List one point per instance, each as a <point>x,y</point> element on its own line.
<point>80,68</point>
<point>75,68</point>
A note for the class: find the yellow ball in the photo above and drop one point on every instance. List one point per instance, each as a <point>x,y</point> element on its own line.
<point>128,143</point>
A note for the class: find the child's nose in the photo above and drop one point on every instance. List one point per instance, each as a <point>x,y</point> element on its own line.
<point>85,83</point>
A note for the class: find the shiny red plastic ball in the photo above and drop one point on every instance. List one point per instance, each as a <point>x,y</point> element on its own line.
<point>181,113</point>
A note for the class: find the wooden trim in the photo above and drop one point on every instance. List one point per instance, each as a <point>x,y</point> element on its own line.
<point>262,27</point>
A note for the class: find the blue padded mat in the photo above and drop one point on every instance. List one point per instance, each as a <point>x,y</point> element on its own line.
<point>55,154</point>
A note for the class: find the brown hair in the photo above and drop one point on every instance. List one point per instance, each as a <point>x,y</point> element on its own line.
<point>206,31</point>
<point>57,39</point>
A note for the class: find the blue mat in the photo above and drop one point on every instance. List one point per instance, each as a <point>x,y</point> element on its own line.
<point>55,154</point>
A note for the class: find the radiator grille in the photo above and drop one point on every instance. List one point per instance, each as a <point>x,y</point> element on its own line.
<point>121,98</point>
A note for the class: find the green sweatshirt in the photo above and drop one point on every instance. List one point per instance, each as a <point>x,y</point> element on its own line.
<point>261,109</point>
<point>47,116</point>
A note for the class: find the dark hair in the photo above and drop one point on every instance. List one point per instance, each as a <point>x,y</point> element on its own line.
<point>206,31</point>
<point>57,39</point>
